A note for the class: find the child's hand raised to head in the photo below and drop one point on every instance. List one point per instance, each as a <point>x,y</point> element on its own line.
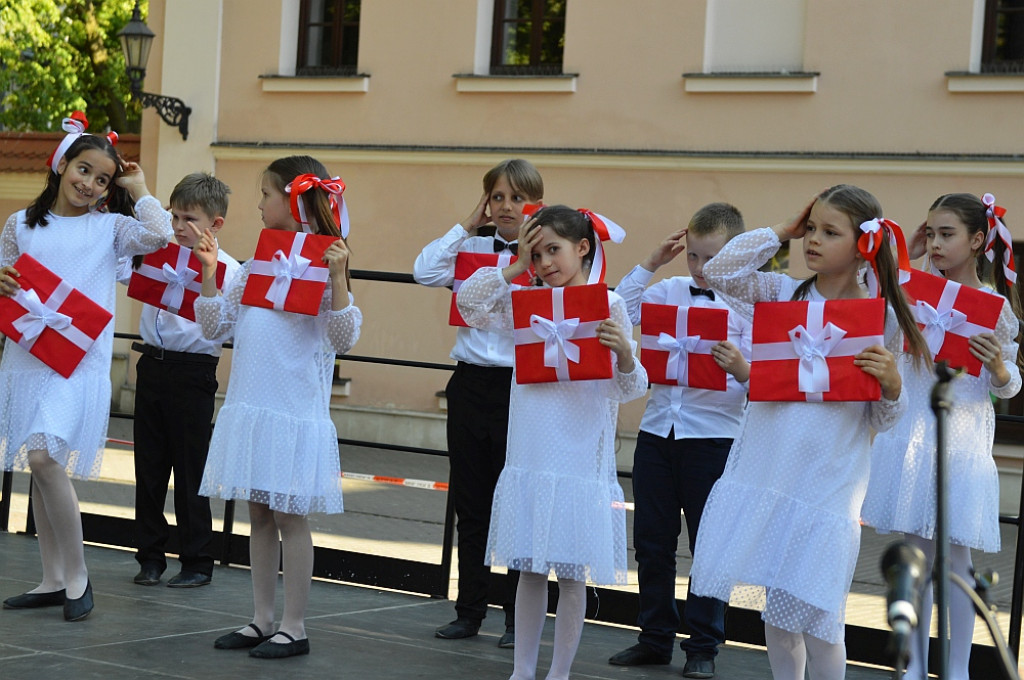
<point>917,244</point>
<point>132,179</point>
<point>479,216</point>
<point>8,281</point>
<point>612,336</point>
<point>795,226</point>
<point>528,240</point>
<point>666,251</point>
<point>730,360</point>
<point>879,362</point>
<point>336,257</point>
<point>985,348</point>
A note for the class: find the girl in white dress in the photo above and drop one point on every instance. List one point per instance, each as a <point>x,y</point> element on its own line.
<point>783,518</point>
<point>558,505</point>
<point>901,493</point>
<point>274,443</point>
<point>51,424</point>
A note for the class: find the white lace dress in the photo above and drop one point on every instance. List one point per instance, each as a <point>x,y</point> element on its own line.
<point>901,493</point>
<point>41,409</point>
<point>558,505</point>
<point>782,522</point>
<point>274,442</point>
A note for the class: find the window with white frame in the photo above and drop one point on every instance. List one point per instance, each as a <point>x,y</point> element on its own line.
<point>528,37</point>
<point>1002,48</point>
<point>328,38</point>
<point>754,37</point>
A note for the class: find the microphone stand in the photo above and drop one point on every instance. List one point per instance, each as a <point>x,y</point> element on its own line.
<point>941,402</point>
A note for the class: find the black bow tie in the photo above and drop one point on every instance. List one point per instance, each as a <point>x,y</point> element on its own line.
<point>502,245</point>
<point>706,292</point>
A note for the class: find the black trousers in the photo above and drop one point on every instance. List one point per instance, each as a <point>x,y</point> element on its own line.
<point>173,416</point>
<point>477,434</point>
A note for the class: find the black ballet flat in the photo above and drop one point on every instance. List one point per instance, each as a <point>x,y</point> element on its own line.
<point>238,640</point>
<point>79,608</point>
<point>273,650</point>
<point>35,600</point>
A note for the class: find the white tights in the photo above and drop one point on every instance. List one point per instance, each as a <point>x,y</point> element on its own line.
<point>961,615</point>
<point>789,653</point>
<point>531,612</point>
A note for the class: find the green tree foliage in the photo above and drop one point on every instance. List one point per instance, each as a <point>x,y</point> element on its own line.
<point>57,57</point>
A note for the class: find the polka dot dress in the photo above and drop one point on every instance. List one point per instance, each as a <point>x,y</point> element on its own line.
<point>901,493</point>
<point>558,505</point>
<point>780,529</point>
<point>42,410</point>
<point>274,442</point>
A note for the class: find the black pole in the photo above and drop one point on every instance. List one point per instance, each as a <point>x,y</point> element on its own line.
<point>941,403</point>
<point>1017,599</point>
<point>5,500</point>
<point>445,574</point>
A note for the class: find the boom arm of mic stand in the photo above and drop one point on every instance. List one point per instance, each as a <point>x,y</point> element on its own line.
<point>1009,666</point>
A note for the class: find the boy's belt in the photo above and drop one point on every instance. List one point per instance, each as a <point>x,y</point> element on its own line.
<point>161,354</point>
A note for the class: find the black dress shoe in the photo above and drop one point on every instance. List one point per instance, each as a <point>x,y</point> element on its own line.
<point>238,640</point>
<point>274,650</point>
<point>699,667</point>
<point>189,579</point>
<point>640,655</point>
<point>508,639</point>
<point>149,575</point>
<point>79,608</point>
<point>458,629</point>
<point>34,600</point>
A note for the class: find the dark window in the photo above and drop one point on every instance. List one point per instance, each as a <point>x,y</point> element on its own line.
<point>1003,47</point>
<point>529,36</point>
<point>328,37</point>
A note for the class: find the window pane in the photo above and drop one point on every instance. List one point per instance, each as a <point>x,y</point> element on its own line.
<point>351,11</point>
<point>553,42</point>
<point>514,9</point>
<point>316,46</point>
<point>350,45</point>
<point>515,47</point>
<point>321,11</point>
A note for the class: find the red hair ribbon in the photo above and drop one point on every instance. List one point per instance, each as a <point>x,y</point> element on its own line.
<point>74,126</point>
<point>996,229</point>
<point>334,187</point>
<point>875,233</point>
<point>530,209</point>
<point>604,230</point>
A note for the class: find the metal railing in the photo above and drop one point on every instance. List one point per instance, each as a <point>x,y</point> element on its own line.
<point>864,644</point>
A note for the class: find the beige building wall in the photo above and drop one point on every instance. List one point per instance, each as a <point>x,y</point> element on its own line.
<point>865,100</point>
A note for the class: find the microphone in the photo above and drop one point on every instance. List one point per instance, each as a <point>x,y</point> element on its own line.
<point>903,567</point>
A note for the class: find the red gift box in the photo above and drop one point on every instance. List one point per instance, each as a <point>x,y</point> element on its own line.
<point>54,322</point>
<point>171,279</point>
<point>466,264</point>
<point>676,342</point>
<point>948,314</point>
<point>287,273</point>
<point>555,334</point>
<point>803,351</point>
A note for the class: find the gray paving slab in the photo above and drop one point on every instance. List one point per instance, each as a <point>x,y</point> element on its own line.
<point>355,632</point>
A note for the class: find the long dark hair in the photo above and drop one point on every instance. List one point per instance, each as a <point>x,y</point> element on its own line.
<point>972,212</point>
<point>861,206</point>
<point>118,199</point>
<point>316,201</point>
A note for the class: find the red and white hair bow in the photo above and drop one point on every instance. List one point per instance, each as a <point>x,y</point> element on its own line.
<point>604,230</point>
<point>74,126</point>
<point>334,187</point>
<point>996,229</point>
<point>875,233</point>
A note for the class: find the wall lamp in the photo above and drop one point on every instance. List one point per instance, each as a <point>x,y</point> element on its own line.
<point>136,39</point>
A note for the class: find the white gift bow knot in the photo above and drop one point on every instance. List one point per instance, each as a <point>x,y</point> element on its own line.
<point>174,295</point>
<point>556,336</point>
<point>937,324</point>
<point>678,351</point>
<point>38,317</point>
<point>812,349</point>
<point>284,270</point>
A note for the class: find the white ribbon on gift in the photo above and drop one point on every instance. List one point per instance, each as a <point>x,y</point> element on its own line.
<point>178,278</point>
<point>41,315</point>
<point>285,268</point>
<point>812,344</point>
<point>943,318</point>
<point>679,347</point>
<point>557,334</point>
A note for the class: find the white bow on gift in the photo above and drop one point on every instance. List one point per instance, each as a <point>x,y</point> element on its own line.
<point>40,315</point>
<point>937,323</point>
<point>284,268</point>
<point>812,348</point>
<point>174,294</point>
<point>678,352</point>
<point>558,351</point>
